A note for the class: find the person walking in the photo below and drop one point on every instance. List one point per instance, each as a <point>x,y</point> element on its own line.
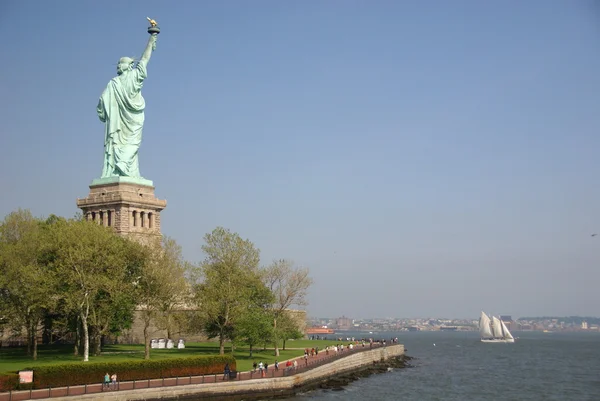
<point>113,379</point>
<point>226,372</point>
<point>106,381</point>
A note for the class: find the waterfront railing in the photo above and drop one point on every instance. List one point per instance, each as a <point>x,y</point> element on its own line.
<point>321,358</point>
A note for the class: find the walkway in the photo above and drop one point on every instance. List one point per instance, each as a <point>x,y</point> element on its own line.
<point>311,362</point>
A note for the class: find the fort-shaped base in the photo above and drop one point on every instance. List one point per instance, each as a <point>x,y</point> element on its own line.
<point>128,205</point>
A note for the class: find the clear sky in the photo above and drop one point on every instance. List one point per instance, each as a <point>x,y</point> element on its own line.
<point>422,158</point>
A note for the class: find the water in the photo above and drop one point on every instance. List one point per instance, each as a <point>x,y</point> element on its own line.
<point>538,366</point>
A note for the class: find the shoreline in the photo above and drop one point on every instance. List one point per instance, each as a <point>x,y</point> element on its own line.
<point>330,374</point>
<point>328,383</point>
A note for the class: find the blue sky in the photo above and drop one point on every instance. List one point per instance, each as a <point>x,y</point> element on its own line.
<point>422,158</point>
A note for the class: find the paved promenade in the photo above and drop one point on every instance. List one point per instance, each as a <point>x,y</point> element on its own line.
<point>303,365</point>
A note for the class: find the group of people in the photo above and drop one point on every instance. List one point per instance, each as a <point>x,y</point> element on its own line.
<point>110,381</point>
<point>263,368</point>
<point>289,365</point>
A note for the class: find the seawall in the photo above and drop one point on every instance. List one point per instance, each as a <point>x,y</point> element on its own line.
<point>248,389</point>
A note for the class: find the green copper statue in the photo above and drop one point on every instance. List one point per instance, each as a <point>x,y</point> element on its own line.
<point>121,107</point>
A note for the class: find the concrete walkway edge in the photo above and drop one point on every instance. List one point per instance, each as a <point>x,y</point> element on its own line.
<point>257,386</point>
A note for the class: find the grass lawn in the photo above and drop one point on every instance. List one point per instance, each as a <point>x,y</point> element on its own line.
<point>15,359</point>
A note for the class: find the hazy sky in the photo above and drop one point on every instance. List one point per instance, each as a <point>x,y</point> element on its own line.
<point>422,158</point>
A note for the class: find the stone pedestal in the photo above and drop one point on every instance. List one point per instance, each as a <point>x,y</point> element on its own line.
<point>131,208</point>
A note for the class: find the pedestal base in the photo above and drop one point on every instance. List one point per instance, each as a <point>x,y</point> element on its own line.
<point>128,205</point>
<point>123,180</point>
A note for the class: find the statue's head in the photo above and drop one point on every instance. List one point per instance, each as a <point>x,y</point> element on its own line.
<point>125,64</point>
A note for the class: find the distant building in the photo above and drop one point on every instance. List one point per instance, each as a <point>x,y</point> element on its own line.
<point>343,323</point>
<point>584,325</point>
<point>509,322</point>
<point>448,328</point>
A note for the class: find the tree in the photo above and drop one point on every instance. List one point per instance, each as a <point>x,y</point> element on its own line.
<point>254,326</point>
<point>225,284</point>
<point>26,287</point>
<point>289,286</point>
<point>161,287</point>
<point>90,263</point>
<point>287,329</point>
<point>111,311</point>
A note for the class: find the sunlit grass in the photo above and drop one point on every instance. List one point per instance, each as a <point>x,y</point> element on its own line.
<point>15,359</point>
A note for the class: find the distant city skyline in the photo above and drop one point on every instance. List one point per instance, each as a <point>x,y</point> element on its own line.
<point>378,325</point>
<point>421,158</point>
<point>442,317</point>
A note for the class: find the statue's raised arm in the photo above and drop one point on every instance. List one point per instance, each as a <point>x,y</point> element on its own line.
<point>151,46</point>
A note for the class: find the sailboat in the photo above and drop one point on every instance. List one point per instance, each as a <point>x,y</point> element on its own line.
<point>494,330</point>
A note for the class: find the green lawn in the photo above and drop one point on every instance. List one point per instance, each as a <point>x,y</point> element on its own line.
<point>15,359</point>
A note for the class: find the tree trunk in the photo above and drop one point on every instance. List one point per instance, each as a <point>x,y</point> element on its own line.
<point>146,337</point>
<point>97,343</point>
<point>251,349</point>
<point>221,343</point>
<point>86,340</point>
<point>86,336</point>
<point>35,342</point>
<point>275,336</point>
<point>29,334</point>
<point>77,338</point>
<point>169,334</point>
<point>284,344</point>
<point>92,337</point>
<point>47,331</point>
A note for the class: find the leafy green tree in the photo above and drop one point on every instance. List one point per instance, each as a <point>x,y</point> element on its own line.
<point>255,326</point>
<point>162,287</point>
<point>225,282</point>
<point>112,309</point>
<point>111,312</point>
<point>26,285</point>
<point>289,286</point>
<point>287,329</point>
<point>90,263</point>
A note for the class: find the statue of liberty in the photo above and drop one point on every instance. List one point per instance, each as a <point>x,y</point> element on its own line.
<point>121,108</point>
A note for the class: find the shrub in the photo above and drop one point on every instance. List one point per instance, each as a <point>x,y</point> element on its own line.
<point>90,373</point>
<point>9,381</point>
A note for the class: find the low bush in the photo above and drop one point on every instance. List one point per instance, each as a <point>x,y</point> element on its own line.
<point>9,381</point>
<point>91,373</point>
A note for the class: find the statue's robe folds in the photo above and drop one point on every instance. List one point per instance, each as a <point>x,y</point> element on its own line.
<point>121,107</point>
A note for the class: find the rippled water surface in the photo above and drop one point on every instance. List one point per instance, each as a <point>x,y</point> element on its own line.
<point>539,366</point>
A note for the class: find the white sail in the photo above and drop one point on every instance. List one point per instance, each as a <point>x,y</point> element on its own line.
<point>484,326</point>
<point>497,327</point>
<point>506,332</point>
<point>494,330</point>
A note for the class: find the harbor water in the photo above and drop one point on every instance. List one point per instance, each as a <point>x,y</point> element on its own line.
<point>457,366</point>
